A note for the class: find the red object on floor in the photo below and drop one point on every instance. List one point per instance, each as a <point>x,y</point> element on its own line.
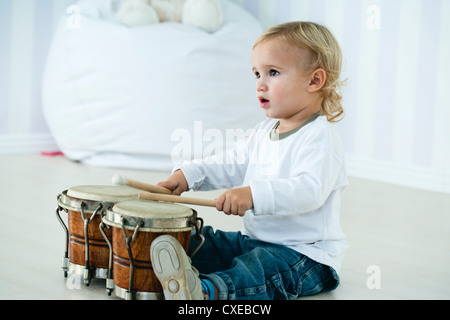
<point>52,154</point>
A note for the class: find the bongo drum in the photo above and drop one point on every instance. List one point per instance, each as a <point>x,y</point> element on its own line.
<point>86,251</point>
<point>135,224</point>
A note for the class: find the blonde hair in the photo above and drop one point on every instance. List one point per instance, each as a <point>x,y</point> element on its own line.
<point>324,52</point>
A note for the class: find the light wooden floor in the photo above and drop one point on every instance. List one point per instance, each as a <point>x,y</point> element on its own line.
<point>399,237</point>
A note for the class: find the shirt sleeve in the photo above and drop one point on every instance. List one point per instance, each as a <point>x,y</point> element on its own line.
<point>222,171</point>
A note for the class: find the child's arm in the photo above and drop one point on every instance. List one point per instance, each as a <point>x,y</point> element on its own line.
<point>214,173</point>
<point>217,172</point>
<point>232,202</point>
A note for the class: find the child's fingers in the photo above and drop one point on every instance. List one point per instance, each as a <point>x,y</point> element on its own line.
<point>171,185</point>
<point>219,203</point>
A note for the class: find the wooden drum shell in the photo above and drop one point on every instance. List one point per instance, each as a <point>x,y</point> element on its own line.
<point>144,278</point>
<point>142,222</point>
<point>98,247</point>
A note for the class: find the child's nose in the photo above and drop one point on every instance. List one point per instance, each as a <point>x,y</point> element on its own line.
<point>261,86</point>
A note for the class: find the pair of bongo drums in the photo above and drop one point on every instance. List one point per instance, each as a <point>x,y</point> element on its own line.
<point>109,234</point>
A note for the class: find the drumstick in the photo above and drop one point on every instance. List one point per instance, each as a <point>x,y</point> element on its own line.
<point>120,180</point>
<point>177,199</point>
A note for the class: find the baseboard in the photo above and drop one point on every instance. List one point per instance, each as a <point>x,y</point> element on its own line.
<point>400,174</point>
<point>26,144</point>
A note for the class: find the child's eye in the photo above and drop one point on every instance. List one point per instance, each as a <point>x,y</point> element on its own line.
<point>273,73</point>
<point>257,75</point>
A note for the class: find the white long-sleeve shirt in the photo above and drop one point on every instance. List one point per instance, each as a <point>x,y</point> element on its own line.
<point>296,183</point>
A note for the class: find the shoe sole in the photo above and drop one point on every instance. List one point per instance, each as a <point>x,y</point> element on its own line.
<point>169,268</point>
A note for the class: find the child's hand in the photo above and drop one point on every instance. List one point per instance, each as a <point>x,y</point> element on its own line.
<point>235,201</point>
<point>177,183</point>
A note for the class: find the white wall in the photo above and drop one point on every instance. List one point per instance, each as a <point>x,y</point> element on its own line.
<point>397,61</point>
<point>26,28</point>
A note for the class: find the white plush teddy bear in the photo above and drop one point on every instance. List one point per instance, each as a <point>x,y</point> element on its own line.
<point>204,14</point>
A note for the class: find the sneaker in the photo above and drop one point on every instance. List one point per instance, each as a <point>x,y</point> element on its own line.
<point>172,266</point>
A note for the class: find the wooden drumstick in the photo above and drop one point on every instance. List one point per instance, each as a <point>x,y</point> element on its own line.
<point>177,199</point>
<point>120,180</point>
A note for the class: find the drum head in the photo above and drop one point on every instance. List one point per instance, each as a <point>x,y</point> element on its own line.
<point>144,209</point>
<point>154,216</point>
<point>103,193</point>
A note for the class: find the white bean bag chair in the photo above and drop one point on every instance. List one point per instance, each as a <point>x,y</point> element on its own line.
<point>115,96</point>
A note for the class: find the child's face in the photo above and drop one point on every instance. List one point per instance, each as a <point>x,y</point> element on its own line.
<point>281,81</point>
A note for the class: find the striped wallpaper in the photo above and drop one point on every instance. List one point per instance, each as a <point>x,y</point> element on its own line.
<point>397,61</point>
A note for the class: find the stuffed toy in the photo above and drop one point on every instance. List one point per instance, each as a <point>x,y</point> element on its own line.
<point>204,14</point>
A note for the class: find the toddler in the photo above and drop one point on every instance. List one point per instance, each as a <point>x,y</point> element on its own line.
<point>291,172</point>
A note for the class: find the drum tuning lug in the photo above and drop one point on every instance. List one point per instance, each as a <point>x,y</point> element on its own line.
<point>86,277</point>
<point>109,286</point>
<point>65,259</point>
<point>65,265</point>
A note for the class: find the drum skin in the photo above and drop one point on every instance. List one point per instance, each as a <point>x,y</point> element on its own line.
<point>98,247</point>
<point>144,279</point>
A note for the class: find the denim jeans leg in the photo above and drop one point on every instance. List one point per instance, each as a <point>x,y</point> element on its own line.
<point>218,251</point>
<point>247,269</point>
<point>265,272</point>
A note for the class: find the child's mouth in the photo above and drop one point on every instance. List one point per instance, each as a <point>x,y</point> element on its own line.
<point>264,102</point>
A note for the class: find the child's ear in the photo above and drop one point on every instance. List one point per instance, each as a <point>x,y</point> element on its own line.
<point>318,78</point>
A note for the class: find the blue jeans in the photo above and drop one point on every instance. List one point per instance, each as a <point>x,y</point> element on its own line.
<point>243,268</point>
